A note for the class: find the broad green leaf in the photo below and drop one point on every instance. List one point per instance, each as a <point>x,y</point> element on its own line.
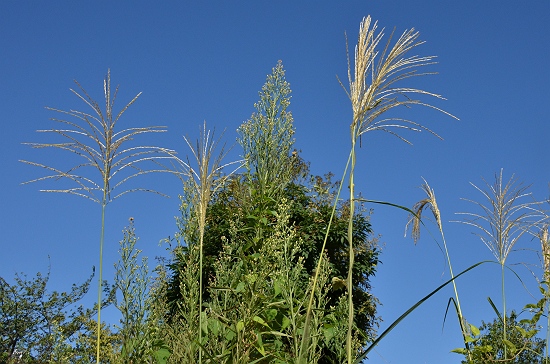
<point>214,326</point>
<point>161,355</point>
<point>286,323</point>
<point>328,332</point>
<point>474,329</point>
<point>240,287</point>
<point>230,334</point>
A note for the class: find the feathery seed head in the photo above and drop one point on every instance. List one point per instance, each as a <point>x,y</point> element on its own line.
<point>545,245</point>
<point>92,136</point>
<point>429,202</point>
<point>372,90</point>
<point>504,217</point>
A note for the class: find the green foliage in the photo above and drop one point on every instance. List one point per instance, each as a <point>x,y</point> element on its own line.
<point>266,138</point>
<point>138,333</point>
<point>40,325</point>
<point>521,345</point>
<point>242,218</point>
<point>176,302</point>
<point>255,311</point>
<point>84,347</point>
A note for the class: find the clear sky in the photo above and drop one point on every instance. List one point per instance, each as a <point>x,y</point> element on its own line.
<point>197,61</point>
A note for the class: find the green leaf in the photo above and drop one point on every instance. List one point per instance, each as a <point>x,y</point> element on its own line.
<point>329,331</point>
<point>460,351</point>
<point>230,334</point>
<point>240,287</point>
<point>522,331</point>
<point>260,346</point>
<point>277,288</point>
<point>214,326</point>
<point>161,355</point>
<point>510,346</point>
<point>474,329</point>
<point>286,323</point>
<point>260,320</point>
<point>240,325</point>
<point>271,314</point>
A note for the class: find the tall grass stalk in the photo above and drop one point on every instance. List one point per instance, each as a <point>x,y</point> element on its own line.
<point>431,203</point>
<point>545,249</point>
<point>373,92</point>
<point>205,179</point>
<point>504,218</point>
<point>92,136</point>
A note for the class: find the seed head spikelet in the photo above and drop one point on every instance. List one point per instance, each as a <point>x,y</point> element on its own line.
<point>372,90</point>
<point>505,217</point>
<point>101,147</point>
<point>428,202</point>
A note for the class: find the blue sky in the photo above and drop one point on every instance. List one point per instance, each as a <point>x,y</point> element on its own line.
<point>197,61</point>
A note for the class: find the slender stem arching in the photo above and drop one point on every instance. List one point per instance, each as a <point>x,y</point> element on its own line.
<point>460,315</point>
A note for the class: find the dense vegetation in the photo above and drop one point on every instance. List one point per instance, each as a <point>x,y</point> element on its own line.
<point>270,264</point>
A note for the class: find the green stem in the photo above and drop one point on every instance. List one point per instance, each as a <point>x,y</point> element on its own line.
<point>460,317</point>
<point>547,326</point>
<point>306,335</point>
<point>504,311</point>
<point>349,344</point>
<point>100,280</point>
<point>200,284</point>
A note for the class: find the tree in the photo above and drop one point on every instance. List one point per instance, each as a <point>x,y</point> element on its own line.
<point>244,214</point>
<point>36,325</point>
<point>522,345</point>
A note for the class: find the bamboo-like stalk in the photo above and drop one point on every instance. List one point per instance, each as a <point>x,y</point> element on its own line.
<point>92,136</point>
